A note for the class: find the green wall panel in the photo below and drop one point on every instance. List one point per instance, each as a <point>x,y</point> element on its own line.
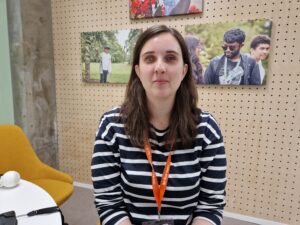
<point>6,97</point>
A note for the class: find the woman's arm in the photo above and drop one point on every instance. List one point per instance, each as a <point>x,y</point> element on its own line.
<point>213,176</point>
<point>106,175</point>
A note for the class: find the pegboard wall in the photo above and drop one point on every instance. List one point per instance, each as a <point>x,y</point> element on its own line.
<point>261,125</point>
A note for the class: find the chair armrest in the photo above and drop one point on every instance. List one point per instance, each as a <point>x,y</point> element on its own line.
<point>51,173</point>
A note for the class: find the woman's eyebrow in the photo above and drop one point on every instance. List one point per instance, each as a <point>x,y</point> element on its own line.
<point>147,53</point>
<point>172,51</point>
<point>168,51</point>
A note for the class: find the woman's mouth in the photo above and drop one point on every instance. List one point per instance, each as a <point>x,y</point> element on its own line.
<point>160,82</point>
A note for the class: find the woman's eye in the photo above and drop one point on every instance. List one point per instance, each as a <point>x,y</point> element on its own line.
<point>149,59</point>
<point>171,58</point>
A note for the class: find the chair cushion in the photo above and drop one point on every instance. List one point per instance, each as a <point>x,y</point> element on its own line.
<point>58,190</point>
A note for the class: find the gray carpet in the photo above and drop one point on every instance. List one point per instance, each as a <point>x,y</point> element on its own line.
<point>79,209</point>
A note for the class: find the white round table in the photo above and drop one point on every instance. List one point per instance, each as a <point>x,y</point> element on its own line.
<point>27,197</point>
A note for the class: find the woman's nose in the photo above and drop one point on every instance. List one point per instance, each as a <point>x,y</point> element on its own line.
<point>160,66</point>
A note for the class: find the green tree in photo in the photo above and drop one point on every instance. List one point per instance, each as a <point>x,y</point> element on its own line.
<point>130,43</point>
<point>92,45</point>
<point>87,40</point>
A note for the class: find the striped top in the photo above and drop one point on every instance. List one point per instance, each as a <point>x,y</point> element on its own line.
<point>121,175</point>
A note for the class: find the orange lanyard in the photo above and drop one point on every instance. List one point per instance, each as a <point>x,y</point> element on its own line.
<point>160,190</point>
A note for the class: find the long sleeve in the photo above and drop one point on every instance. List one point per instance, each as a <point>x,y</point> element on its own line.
<point>209,75</point>
<point>255,75</point>
<point>109,65</point>
<point>106,176</point>
<point>213,176</point>
<point>100,62</point>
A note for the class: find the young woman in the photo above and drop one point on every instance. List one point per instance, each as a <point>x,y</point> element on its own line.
<point>158,159</point>
<point>194,46</point>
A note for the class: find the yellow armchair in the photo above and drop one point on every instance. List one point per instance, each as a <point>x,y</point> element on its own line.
<point>16,153</point>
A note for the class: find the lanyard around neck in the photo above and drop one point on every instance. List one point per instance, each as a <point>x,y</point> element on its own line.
<point>160,190</point>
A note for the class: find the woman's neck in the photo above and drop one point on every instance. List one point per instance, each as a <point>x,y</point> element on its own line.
<point>160,112</point>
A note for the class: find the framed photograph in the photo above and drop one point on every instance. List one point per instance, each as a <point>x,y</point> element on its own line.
<point>159,8</point>
<point>233,53</point>
<point>106,55</point>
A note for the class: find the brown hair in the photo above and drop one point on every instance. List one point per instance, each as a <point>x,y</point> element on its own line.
<point>184,115</point>
<point>260,39</point>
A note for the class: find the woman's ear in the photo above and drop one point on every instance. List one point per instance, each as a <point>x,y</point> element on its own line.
<point>137,70</point>
<point>185,69</point>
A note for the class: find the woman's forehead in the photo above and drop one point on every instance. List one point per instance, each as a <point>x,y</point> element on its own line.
<point>162,42</point>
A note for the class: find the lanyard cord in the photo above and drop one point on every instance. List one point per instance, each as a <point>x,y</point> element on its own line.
<point>158,190</point>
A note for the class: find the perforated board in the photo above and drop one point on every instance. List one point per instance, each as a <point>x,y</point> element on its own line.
<point>261,125</point>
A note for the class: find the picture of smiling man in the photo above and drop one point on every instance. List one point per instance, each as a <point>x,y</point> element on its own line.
<point>260,49</point>
<point>233,67</point>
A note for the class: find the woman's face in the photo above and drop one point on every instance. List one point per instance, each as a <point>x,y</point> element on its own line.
<point>198,50</point>
<point>161,68</point>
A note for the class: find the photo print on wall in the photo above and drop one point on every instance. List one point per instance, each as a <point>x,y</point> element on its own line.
<point>159,8</point>
<point>233,53</point>
<point>106,55</point>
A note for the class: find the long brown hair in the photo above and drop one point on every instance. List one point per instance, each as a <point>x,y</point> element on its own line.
<point>184,114</point>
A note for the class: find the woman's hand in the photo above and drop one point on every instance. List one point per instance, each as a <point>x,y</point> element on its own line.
<point>127,222</point>
<point>201,222</point>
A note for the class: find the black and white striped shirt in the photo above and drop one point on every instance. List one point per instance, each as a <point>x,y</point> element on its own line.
<point>121,175</point>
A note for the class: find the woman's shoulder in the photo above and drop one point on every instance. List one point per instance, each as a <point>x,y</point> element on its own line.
<point>209,126</point>
<point>113,112</point>
<point>110,120</point>
<point>206,118</point>
<point>205,114</point>
<point>112,115</point>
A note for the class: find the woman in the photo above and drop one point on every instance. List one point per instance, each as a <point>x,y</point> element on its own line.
<point>159,134</point>
<point>194,46</point>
